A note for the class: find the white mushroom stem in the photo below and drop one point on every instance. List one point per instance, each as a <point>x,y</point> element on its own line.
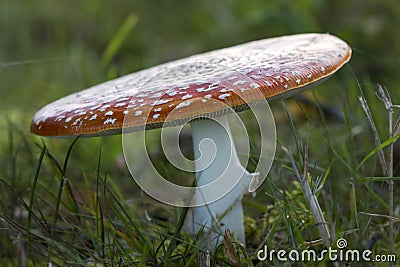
<point>223,163</point>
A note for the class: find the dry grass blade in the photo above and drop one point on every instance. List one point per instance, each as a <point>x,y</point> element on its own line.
<point>367,111</point>
<point>395,219</point>
<point>230,249</point>
<point>387,165</point>
<point>310,197</point>
<point>384,96</point>
<point>204,259</point>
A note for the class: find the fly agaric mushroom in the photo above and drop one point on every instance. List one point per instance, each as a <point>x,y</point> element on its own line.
<point>271,69</point>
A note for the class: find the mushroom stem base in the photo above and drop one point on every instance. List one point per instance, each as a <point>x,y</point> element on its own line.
<point>217,162</point>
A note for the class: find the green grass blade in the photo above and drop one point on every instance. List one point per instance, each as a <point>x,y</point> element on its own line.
<point>321,183</point>
<point>375,150</point>
<point>378,179</point>
<point>33,191</point>
<point>99,212</point>
<point>122,214</point>
<point>119,37</point>
<point>60,189</point>
<point>293,127</point>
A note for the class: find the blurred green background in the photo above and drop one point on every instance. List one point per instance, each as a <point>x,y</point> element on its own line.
<point>49,49</point>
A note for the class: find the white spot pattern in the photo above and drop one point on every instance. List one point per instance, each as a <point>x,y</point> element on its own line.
<point>160,102</point>
<point>223,96</point>
<point>103,108</point>
<point>78,120</point>
<point>184,104</point>
<point>239,82</point>
<point>120,104</point>
<point>59,118</point>
<point>255,85</point>
<point>157,95</point>
<point>93,117</point>
<point>171,93</point>
<point>109,120</point>
<point>186,97</point>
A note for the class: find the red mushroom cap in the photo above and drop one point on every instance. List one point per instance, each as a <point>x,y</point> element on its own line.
<point>276,67</point>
